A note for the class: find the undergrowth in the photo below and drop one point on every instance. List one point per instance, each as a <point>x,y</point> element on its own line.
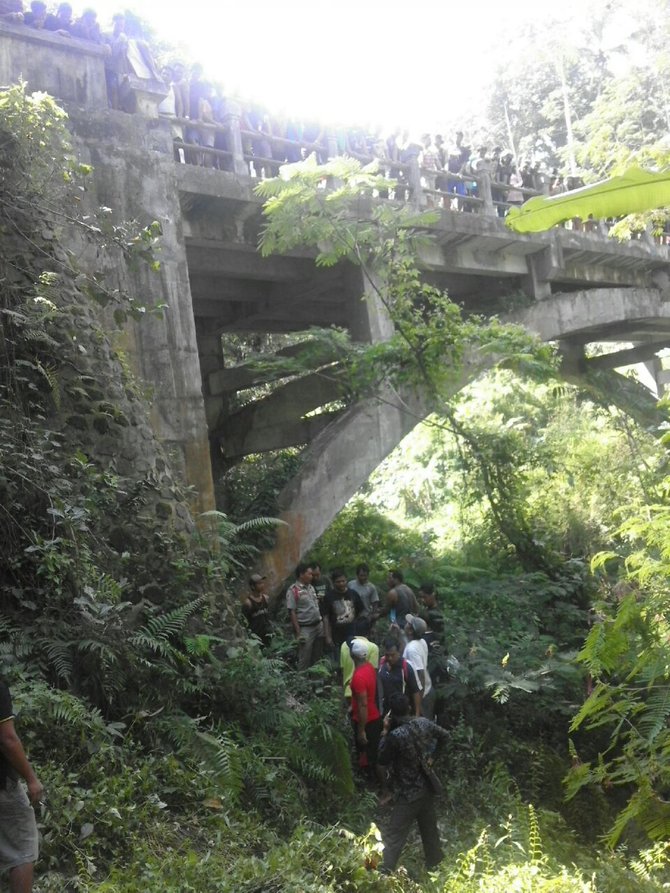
<point>175,755</point>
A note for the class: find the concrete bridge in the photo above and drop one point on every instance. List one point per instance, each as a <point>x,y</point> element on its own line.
<point>574,287</point>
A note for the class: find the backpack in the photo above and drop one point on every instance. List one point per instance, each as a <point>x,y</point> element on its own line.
<point>380,688</point>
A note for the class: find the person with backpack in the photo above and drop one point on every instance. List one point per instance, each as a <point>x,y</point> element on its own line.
<point>406,747</point>
<point>396,675</point>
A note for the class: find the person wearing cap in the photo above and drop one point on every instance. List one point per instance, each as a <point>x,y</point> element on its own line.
<point>365,715</point>
<point>256,609</point>
<point>416,654</point>
<point>347,666</point>
<point>18,828</point>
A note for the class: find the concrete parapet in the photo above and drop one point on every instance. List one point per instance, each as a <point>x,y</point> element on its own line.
<point>70,69</point>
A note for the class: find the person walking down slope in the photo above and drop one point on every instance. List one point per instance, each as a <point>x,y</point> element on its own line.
<point>369,596</point>
<point>405,742</point>
<point>365,716</point>
<point>416,652</point>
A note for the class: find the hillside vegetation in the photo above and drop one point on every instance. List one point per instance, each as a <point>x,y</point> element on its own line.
<point>176,756</point>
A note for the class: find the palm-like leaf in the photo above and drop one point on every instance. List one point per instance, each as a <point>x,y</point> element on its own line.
<point>634,191</point>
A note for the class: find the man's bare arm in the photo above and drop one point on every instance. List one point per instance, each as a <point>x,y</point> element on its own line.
<point>295,624</point>
<point>362,702</point>
<point>12,750</point>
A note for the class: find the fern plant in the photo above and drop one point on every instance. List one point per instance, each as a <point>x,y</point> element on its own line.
<point>627,654</point>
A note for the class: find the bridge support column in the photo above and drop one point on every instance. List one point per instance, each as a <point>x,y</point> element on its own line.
<point>654,367</point>
<point>140,184</point>
<point>211,361</point>
<point>573,358</point>
<point>537,284</point>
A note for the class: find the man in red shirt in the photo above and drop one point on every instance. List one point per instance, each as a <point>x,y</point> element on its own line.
<point>365,715</point>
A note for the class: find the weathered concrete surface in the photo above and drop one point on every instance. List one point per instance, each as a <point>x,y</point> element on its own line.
<point>213,280</point>
<point>69,69</point>
<point>600,314</point>
<point>340,460</point>
<point>134,175</point>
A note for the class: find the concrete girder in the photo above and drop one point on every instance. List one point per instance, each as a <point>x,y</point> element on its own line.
<point>247,375</point>
<point>288,403</point>
<point>638,354</point>
<point>279,436</point>
<point>597,314</point>
<point>236,260</point>
<point>290,319</point>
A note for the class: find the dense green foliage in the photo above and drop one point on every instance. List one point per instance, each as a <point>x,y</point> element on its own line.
<point>178,757</point>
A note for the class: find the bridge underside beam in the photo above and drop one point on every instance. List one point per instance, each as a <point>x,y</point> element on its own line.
<point>255,372</point>
<point>280,436</point>
<point>284,407</point>
<point>638,354</point>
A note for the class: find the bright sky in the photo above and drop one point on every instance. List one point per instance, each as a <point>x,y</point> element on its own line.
<point>386,62</point>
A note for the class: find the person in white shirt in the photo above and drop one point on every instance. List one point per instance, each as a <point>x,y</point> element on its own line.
<point>416,654</point>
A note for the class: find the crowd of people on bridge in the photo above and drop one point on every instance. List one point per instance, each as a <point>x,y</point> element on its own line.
<point>60,20</point>
<point>126,51</point>
<point>390,655</point>
<point>450,170</point>
<point>450,167</point>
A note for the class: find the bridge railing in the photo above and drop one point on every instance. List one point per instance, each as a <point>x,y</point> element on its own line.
<point>251,153</point>
<point>228,146</point>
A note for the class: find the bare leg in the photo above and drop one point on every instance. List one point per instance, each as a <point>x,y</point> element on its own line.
<point>21,878</point>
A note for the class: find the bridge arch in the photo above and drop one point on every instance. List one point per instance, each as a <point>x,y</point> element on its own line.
<point>344,454</point>
<point>579,287</point>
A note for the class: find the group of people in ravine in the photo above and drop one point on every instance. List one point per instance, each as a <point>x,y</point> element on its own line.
<point>389,654</point>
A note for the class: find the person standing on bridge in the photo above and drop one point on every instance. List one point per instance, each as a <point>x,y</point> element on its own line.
<point>305,616</point>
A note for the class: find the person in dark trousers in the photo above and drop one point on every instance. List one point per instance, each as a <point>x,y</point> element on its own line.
<point>18,829</point>
<point>404,743</point>
<point>256,609</point>
<point>365,716</point>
